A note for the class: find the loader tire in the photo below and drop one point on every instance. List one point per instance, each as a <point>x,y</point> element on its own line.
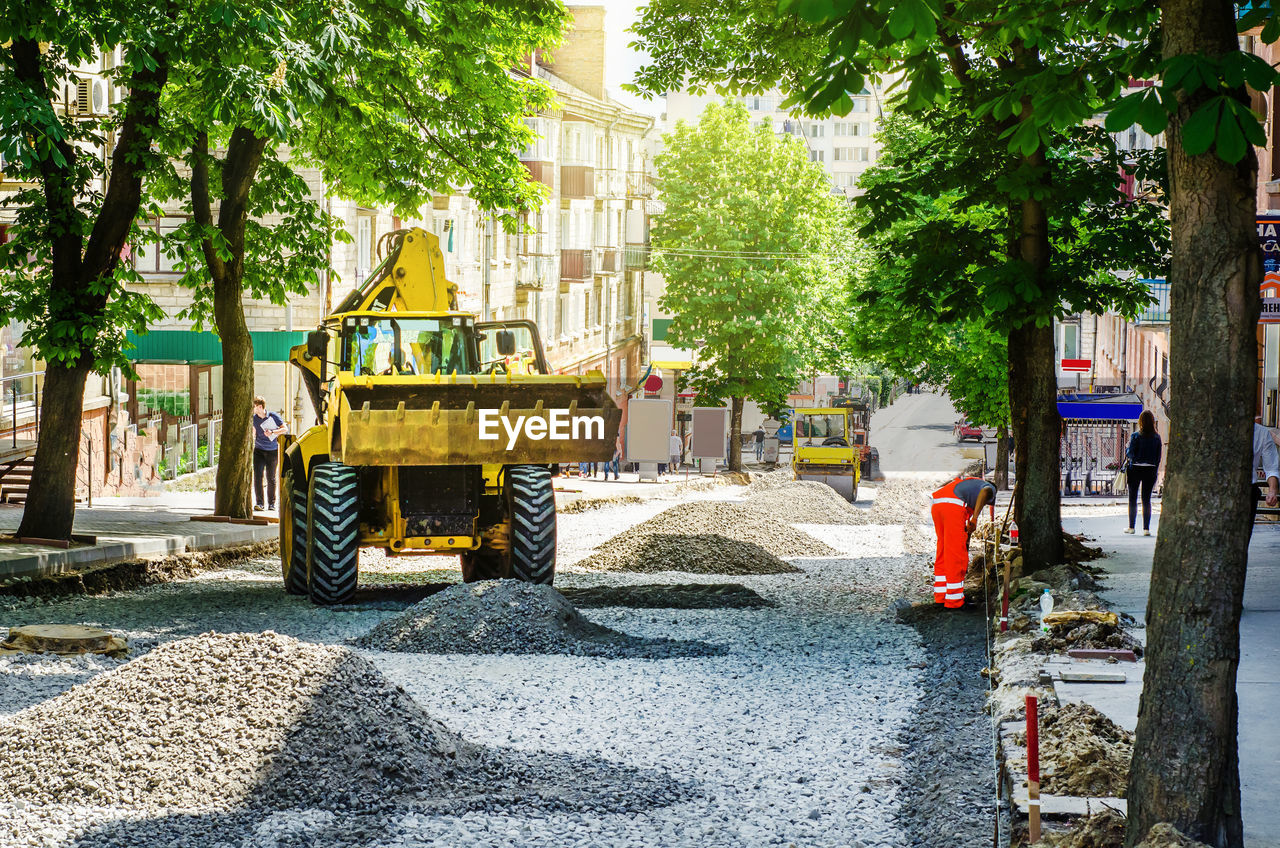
<point>333,534</point>
<point>531,504</point>
<point>483,564</point>
<point>293,535</point>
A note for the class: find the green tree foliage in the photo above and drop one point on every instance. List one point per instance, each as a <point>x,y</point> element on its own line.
<point>61,273</point>
<point>391,102</point>
<point>745,242</point>
<point>1027,70</point>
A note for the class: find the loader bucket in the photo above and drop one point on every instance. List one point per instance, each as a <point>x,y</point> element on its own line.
<point>506,419</point>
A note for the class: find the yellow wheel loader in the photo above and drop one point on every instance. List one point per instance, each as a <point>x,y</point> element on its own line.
<point>439,434</point>
<point>827,449</point>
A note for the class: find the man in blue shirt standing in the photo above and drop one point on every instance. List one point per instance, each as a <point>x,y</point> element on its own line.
<point>267,427</point>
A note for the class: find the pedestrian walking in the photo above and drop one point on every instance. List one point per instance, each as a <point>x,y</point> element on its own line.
<point>675,446</point>
<point>955,515</point>
<point>759,434</point>
<point>1143,456</point>
<point>267,427</point>
<point>1266,456</point>
<point>615,461</point>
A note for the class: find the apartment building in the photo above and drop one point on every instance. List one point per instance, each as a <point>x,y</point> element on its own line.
<point>845,146</point>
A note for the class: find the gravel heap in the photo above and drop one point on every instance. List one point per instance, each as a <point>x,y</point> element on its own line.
<point>778,477</point>
<point>1084,752</point>
<point>512,617</point>
<point>805,502</point>
<point>707,537</point>
<point>220,721</point>
<point>903,502</point>
<point>587,504</point>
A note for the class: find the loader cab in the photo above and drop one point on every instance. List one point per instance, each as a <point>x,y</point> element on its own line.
<point>398,345</point>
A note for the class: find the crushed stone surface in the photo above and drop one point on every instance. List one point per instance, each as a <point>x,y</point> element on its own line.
<point>227,720</point>
<point>511,617</point>
<point>805,502</point>
<point>793,736</point>
<point>707,537</point>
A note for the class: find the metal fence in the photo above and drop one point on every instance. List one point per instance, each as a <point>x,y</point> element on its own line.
<point>185,446</point>
<point>1091,454</point>
<point>20,397</point>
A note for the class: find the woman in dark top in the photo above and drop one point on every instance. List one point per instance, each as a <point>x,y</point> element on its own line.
<point>1144,460</point>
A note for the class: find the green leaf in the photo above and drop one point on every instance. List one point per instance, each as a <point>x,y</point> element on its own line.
<point>1201,129</point>
<point>1232,146</point>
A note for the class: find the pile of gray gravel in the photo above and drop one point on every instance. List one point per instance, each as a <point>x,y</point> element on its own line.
<point>512,617</point>
<point>708,537</point>
<point>230,720</point>
<point>805,502</point>
<point>587,504</point>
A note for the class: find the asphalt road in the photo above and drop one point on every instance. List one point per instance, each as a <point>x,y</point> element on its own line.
<point>916,434</point>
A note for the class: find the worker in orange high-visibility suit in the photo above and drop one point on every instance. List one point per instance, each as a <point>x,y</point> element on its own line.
<point>955,510</point>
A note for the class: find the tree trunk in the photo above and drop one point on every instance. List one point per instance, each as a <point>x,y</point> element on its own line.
<point>83,277</point>
<point>51,506</point>
<point>1033,395</point>
<point>239,169</point>
<point>1185,760</point>
<point>235,451</point>
<point>735,436</point>
<point>1002,458</point>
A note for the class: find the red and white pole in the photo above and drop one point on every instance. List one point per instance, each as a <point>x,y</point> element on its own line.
<point>1033,769</point>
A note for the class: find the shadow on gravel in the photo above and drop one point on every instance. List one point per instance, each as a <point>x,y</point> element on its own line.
<point>949,765</point>
<point>639,596</point>
<point>358,757</point>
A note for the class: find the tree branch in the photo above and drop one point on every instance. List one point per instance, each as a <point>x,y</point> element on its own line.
<point>59,188</point>
<point>201,209</point>
<point>128,163</point>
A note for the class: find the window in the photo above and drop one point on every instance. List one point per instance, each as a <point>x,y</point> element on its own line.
<point>562,317</point>
<point>397,346</point>
<point>816,131</point>
<point>817,155</point>
<point>364,244</point>
<point>1070,341</point>
<point>860,104</point>
<point>852,154</point>
<point>539,147</point>
<point>148,257</point>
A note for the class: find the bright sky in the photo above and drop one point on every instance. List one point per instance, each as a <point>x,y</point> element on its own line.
<point>623,62</point>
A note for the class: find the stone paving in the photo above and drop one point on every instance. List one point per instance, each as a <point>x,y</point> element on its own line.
<point>126,529</point>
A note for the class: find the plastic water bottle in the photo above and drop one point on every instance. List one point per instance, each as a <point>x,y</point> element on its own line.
<point>1046,607</point>
<point>1013,532</point>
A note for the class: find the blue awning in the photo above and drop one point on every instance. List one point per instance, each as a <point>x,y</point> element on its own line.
<point>1100,407</point>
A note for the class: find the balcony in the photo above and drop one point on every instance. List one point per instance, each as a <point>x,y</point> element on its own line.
<point>1158,312</point>
<point>542,172</point>
<point>637,257</point>
<point>577,181</point>
<point>610,183</point>
<point>639,184</point>
<point>533,273</point>
<point>575,265</point>
<point>610,261</point>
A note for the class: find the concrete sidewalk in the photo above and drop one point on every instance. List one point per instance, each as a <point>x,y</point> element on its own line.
<point>1258,680</point>
<point>127,529</point>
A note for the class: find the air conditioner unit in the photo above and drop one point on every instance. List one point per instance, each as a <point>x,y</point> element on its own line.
<point>84,97</point>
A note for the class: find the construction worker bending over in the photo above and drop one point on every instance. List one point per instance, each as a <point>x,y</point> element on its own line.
<point>955,510</point>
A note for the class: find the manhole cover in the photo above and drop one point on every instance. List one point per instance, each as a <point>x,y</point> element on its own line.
<point>62,639</point>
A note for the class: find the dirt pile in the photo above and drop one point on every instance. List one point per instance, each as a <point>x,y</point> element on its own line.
<point>707,537</point>
<point>511,617</point>
<point>1165,835</point>
<point>1100,830</point>
<point>1082,752</point>
<point>903,502</point>
<point>226,720</point>
<point>805,502</point>
<point>588,504</point>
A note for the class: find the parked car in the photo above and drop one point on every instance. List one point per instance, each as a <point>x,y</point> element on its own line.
<point>965,430</point>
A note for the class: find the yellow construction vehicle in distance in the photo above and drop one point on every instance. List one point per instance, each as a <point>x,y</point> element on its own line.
<point>825,446</point>
<point>438,433</point>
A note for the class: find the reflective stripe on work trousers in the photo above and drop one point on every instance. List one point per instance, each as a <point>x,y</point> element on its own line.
<point>955,501</point>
